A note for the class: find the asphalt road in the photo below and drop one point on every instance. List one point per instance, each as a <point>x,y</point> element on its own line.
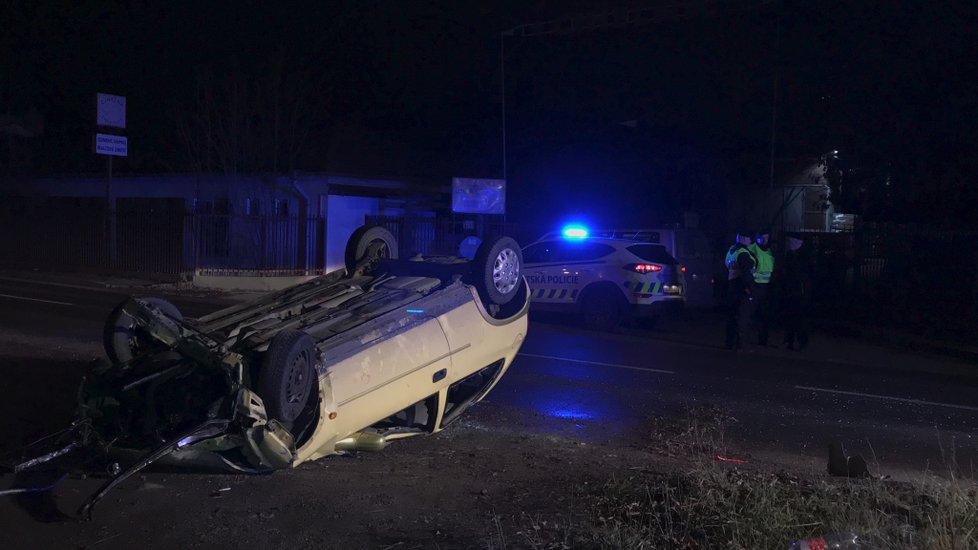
<point>897,410</point>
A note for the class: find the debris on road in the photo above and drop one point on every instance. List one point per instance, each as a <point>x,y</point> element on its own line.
<point>845,466</point>
<point>733,460</point>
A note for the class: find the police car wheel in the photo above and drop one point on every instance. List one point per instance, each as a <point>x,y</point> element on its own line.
<point>360,241</point>
<point>123,339</point>
<point>600,310</point>
<point>498,270</point>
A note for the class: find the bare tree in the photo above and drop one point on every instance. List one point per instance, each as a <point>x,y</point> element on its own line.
<point>261,120</point>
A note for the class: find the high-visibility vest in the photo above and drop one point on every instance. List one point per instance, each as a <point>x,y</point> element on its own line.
<point>736,250</point>
<point>765,264</point>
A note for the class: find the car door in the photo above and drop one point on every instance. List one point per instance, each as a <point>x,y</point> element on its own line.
<point>557,276</point>
<point>392,370</point>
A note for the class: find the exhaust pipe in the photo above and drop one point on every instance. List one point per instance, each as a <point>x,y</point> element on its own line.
<point>362,441</point>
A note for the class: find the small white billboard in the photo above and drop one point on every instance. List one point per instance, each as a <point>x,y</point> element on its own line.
<point>108,144</point>
<point>478,196</point>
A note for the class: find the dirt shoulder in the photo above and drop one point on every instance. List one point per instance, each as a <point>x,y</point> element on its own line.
<point>485,482</point>
<point>498,478</point>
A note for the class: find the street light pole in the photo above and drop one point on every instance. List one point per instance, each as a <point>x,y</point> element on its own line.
<point>502,90</point>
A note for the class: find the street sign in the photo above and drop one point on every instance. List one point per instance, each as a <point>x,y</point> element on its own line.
<point>108,144</point>
<point>110,110</point>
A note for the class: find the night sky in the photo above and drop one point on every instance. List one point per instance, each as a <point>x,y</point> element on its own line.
<point>626,123</point>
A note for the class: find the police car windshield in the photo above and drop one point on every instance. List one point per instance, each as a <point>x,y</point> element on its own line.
<point>655,253</point>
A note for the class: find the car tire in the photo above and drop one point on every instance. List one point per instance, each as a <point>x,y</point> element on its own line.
<point>122,339</point>
<point>498,270</point>
<point>601,310</point>
<point>362,238</point>
<point>285,381</point>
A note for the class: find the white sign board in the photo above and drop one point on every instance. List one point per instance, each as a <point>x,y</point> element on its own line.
<point>478,196</point>
<point>108,144</point>
<point>110,110</point>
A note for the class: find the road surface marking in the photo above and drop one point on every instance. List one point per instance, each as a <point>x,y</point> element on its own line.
<point>891,398</point>
<point>35,300</point>
<point>629,367</point>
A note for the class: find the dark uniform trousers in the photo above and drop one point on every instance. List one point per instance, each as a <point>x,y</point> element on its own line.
<point>762,311</point>
<point>738,313</point>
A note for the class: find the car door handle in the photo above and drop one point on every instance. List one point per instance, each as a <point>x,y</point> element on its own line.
<point>440,375</point>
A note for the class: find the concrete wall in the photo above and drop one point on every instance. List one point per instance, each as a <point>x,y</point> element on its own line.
<point>221,194</point>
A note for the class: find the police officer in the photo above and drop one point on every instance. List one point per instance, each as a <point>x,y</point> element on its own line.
<point>796,290</point>
<point>740,283</point>
<point>761,249</point>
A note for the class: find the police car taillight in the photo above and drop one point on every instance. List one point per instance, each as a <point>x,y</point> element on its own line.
<point>682,268</point>
<point>643,268</point>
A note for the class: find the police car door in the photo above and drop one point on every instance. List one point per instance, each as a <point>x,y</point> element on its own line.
<point>558,270</point>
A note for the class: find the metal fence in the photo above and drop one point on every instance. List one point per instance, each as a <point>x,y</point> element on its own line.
<point>161,242</point>
<point>258,243</point>
<point>439,236</point>
<point>910,276</point>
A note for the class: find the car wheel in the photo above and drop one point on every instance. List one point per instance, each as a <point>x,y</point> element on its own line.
<point>285,381</point>
<point>498,270</point>
<point>360,242</point>
<point>600,310</point>
<point>122,339</point>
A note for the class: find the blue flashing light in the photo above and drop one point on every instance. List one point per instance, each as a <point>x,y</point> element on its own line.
<point>575,232</point>
<point>415,311</point>
<point>569,413</point>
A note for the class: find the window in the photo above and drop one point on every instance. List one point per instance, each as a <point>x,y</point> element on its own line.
<point>571,251</point>
<point>469,390</point>
<point>655,253</point>
<point>282,208</point>
<point>538,253</point>
<point>252,207</point>
<point>565,251</point>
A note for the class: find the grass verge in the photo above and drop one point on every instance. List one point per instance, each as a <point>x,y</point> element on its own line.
<point>716,508</point>
<point>715,505</point>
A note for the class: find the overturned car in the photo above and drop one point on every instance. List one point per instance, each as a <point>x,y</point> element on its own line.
<point>382,350</point>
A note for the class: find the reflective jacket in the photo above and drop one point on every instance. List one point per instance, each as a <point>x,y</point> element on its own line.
<point>764,259</point>
<point>735,264</point>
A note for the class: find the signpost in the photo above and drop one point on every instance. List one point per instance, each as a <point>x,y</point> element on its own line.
<point>112,145</point>
<point>110,112</point>
<point>110,121</point>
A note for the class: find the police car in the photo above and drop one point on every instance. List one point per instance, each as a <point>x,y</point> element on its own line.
<point>603,279</point>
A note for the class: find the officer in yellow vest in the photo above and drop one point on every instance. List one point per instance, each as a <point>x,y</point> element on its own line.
<point>740,283</point>
<point>761,249</point>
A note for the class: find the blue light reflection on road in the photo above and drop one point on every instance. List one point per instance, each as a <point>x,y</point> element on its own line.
<point>566,396</point>
<point>588,414</point>
<point>562,410</point>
